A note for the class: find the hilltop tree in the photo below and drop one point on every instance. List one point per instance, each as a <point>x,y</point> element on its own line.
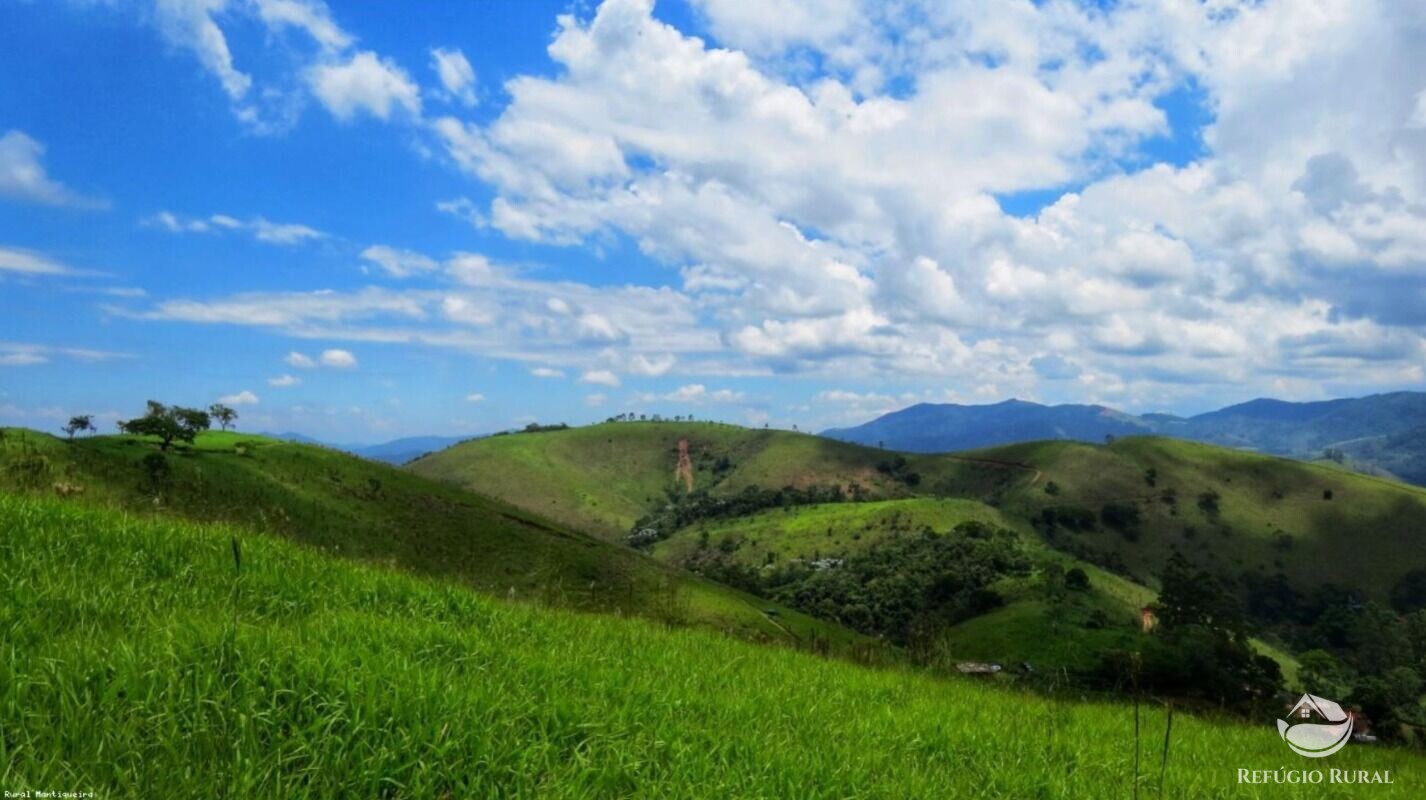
<point>223,415</point>
<point>79,424</point>
<point>168,424</point>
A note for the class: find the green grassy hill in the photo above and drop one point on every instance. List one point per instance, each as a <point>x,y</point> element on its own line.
<point>1241,515</point>
<point>602,478</point>
<point>1230,510</point>
<point>138,659</point>
<point>364,510</point>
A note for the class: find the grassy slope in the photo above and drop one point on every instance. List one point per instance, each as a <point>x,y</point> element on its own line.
<point>366,510</point>
<point>1369,534</point>
<point>602,478</point>
<point>135,660</point>
<point>1362,537</point>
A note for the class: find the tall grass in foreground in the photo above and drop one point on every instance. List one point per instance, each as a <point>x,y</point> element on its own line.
<point>122,671</point>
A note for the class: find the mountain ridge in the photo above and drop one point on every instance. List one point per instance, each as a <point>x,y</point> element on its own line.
<point>1373,433</point>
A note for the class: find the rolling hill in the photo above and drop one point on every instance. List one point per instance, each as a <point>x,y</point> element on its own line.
<point>141,653</point>
<point>1117,512</point>
<point>1232,511</point>
<point>1315,523</point>
<point>362,510</point>
<point>602,478</point>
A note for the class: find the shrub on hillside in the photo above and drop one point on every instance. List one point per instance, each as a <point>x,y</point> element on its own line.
<point>1409,593</point>
<point>1120,516</point>
<point>1071,518</point>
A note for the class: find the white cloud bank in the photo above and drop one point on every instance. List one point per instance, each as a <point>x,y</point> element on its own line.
<point>847,221</point>
<point>856,229</point>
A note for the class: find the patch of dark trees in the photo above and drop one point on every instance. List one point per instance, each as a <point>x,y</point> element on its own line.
<point>903,589</point>
<point>1369,654</point>
<point>535,427</point>
<point>1199,648</point>
<point>897,469</point>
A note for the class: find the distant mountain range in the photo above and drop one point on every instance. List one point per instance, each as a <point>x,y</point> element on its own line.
<point>396,451</point>
<point>1383,434</point>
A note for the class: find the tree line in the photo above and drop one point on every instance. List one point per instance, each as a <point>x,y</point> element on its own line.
<point>169,424</point>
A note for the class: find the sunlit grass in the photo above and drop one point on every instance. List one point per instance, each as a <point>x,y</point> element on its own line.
<point>138,662</point>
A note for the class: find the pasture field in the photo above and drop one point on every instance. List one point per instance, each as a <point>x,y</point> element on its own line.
<point>1230,510</point>
<point>142,658</point>
<point>371,512</point>
<point>602,478</point>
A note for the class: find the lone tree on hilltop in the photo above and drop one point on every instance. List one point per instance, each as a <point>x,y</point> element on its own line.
<point>168,424</point>
<point>223,415</point>
<point>79,424</point>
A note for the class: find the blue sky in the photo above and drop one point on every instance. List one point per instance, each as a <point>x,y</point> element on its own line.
<point>358,221</point>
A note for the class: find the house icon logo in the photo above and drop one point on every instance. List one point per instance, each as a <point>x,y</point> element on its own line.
<point>1319,727</point>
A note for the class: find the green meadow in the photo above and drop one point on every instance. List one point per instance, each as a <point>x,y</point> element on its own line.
<point>371,512</point>
<point>152,657</point>
<point>602,478</point>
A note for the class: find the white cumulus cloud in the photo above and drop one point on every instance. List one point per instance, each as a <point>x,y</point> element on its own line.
<point>300,360</point>
<point>602,377</point>
<point>455,74</point>
<point>243,398</point>
<point>364,83</point>
<point>339,359</point>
